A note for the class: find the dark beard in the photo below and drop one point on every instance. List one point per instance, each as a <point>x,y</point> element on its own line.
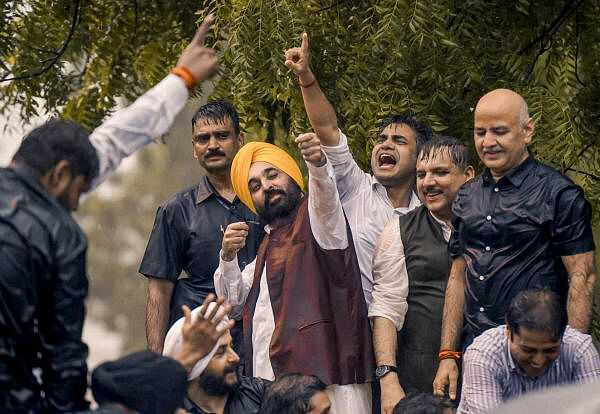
<point>285,204</point>
<point>217,386</point>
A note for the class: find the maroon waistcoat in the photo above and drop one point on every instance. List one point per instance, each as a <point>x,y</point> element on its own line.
<point>321,325</point>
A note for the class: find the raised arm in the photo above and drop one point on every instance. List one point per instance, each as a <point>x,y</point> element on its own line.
<point>320,112</point>
<point>447,373</point>
<point>151,115</point>
<point>327,220</point>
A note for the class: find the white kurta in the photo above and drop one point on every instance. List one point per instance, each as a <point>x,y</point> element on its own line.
<point>329,229</point>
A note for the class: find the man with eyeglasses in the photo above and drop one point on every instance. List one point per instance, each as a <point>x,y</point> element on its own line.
<point>188,229</point>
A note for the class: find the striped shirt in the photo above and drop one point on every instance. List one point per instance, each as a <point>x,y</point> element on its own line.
<point>491,376</point>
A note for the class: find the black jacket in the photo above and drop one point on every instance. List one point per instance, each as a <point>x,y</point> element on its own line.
<point>245,400</point>
<point>43,285</point>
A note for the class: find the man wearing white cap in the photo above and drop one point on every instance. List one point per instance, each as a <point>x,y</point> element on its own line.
<point>214,384</point>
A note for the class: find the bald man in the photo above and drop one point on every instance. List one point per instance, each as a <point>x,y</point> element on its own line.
<point>519,225</point>
<point>302,303</point>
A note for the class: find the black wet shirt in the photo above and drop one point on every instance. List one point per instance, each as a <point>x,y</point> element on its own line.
<point>245,400</point>
<point>512,234</point>
<point>187,235</point>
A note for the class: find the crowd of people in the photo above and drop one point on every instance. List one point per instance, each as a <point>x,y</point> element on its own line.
<point>344,293</point>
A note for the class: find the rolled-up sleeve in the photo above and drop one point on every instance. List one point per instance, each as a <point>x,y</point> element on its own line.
<point>390,277</point>
<point>571,229</point>
<point>134,127</point>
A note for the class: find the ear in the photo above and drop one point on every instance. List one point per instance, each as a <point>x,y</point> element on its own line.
<point>507,331</point>
<point>241,139</point>
<point>469,172</point>
<point>194,150</point>
<point>529,129</point>
<point>58,178</point>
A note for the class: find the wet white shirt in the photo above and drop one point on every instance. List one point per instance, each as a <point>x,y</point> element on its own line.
<point>367,207</point>
<point>390,277</point>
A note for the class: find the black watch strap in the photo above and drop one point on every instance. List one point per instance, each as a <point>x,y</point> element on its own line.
<point>382,370</point>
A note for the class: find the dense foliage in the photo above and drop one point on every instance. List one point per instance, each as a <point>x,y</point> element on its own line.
<point>433,58</point>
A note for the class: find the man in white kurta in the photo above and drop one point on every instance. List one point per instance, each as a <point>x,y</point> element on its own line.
<point>328,227</point>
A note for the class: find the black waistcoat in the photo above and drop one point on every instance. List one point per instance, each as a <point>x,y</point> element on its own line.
<point>428,266</point>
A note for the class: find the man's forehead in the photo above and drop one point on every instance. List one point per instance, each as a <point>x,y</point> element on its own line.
<point>399,129</point>
<point>436,158</point>
<point>210,124</point>
<point>257,169</point>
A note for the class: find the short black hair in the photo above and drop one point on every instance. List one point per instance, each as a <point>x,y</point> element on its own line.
<point>217,111</point>
<point>538,310</point>
<point>456,149</point>
<point>291,394</point>
<point>57,140</point>
<point>421,129</point>
<point>423,403</point>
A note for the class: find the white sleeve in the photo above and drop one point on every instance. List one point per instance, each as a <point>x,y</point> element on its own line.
<point>350,179</point>
<point>234,284</point>
<point>390,278</point>
<point>325,213</point>
<point>134,127</point>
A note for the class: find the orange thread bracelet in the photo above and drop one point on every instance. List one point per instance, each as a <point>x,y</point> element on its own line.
<point>446,353</point>
<point>309,83</point>
<point>186,75</point>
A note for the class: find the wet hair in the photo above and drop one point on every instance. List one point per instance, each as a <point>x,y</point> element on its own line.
<point>217,112</point>
<point>291,394</point>
<point>538,310</point>
<point>458,152</point>
<point>423,403</point>
<point>421,129</point>
<point>58,140</point>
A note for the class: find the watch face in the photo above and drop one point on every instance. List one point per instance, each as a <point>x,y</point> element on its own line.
<point>382,370</point>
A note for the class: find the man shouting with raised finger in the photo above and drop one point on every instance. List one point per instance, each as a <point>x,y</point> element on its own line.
<point>302,302</point>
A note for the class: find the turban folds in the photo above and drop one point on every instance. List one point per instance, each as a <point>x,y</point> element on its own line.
<point>174,340</point>
<point>255,152</point>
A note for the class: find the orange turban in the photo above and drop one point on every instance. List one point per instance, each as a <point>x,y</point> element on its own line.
<point>255,152</point>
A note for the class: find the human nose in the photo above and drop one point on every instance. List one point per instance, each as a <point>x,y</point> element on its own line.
<point>489,140</point>
<point>213,142</point>
<point>538,359</point>
<point>233,356</point>
<point>429,180</point>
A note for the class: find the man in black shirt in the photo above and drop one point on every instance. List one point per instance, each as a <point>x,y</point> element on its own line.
<point>518,225</point>
<point>188,228</point>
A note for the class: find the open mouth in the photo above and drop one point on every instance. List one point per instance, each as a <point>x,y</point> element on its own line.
<point>386,161</point>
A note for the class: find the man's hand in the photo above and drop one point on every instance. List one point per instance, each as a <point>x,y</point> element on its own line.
<point>201,335</point>
<point>310,148</point>
<point>233,240</point>
<point>296,59</point>
<point>199,60</point>
<point>391,392</point>
<point>447,375</point>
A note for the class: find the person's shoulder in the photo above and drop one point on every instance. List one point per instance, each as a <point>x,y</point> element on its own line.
<point>574,340</point>
<point>254,384</point>
<point>491,343</point>
<point>551,175</point>
<point>184,197</point>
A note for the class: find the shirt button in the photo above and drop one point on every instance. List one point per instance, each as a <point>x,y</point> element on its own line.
<point>481,277</point>
<point>488,218</point>
<point>481,309</point>
<point>487,248</point>
<point>496,189</point>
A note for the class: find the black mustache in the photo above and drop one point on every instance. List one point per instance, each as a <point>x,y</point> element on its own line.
<point>231,368</point>
<point>269,193</point>
<point>213,153</point>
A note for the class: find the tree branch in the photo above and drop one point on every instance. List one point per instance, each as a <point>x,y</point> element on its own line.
<point>595,177</point>
<point>51,61</point>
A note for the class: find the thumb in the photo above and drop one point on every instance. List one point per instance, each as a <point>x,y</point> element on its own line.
<point>203,29</point>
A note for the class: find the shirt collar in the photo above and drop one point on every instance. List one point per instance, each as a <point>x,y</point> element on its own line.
<point>516,176</point>
<point>205,189</point>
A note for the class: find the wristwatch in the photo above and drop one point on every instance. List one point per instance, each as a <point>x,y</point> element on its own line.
<point>382,370</point>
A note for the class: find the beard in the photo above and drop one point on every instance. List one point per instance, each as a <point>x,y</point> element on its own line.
<point>281,207</point>
<point>215,385</point>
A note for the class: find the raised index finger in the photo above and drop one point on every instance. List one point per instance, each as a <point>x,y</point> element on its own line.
<point>304,46</point>
<point>203,29</point>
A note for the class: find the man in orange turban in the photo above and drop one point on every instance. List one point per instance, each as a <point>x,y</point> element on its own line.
<point>301,299</point>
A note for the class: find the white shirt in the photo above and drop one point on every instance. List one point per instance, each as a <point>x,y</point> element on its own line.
<point>134,127</point>
<point>367,207</point>
<point>390,277</point>
<point>329,230</point>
